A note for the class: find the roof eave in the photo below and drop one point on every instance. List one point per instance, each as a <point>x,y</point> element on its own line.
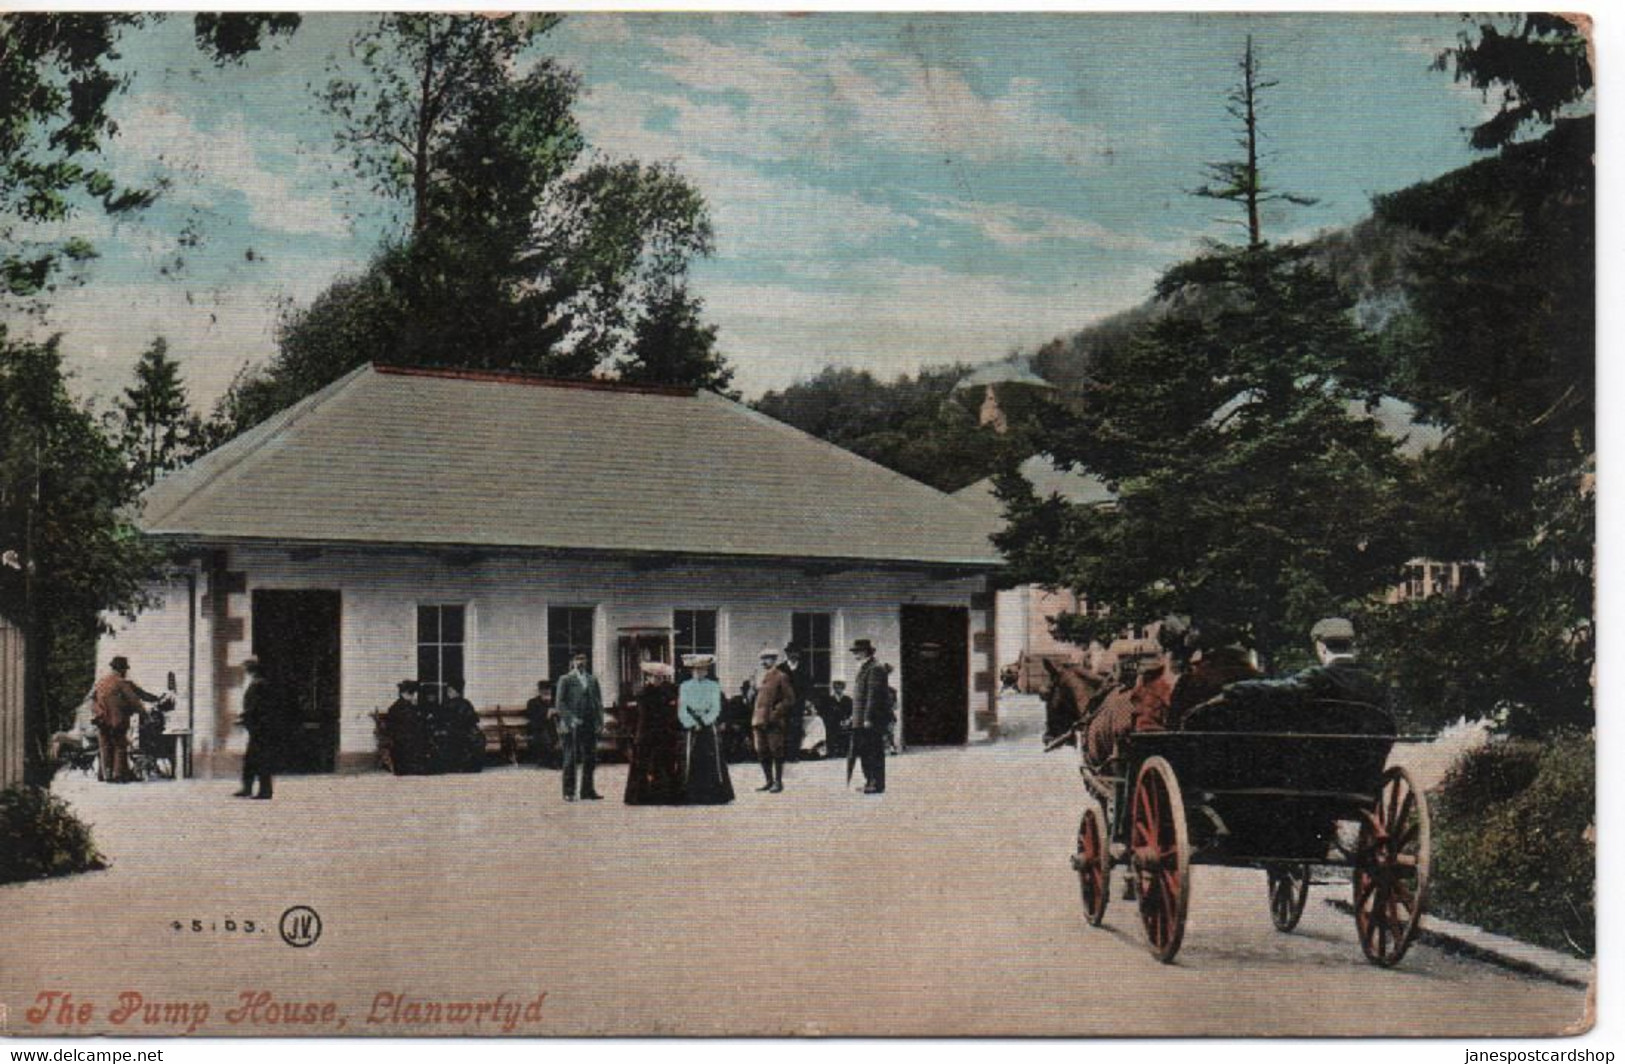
<point>649,559</point>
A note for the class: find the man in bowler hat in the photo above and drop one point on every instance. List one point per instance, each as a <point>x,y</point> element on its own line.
<point>871,716</point>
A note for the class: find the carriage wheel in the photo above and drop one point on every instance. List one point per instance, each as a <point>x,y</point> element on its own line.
<point>1391,869</point>
<point>1094,867</point>
<point>1289,892</point>
<point>1161,855</point>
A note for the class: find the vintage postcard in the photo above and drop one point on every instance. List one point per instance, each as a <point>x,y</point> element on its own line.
<point>843,524</point>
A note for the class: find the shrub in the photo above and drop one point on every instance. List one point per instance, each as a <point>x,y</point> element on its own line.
<point>1514,846</point>
<point>1486,776</point>
<point>40,837</point>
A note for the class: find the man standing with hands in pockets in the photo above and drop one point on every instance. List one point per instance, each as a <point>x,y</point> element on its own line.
<point>578,705</point>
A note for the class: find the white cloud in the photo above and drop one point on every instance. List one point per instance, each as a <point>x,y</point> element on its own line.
<point>1014,226</point>
<point>893,317</point>
<point>860,98</point>
<point>213,332</point>
<point>283,181</point>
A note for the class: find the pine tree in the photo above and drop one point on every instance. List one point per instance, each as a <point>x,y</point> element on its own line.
<point>158,426</point>
<point>1249,495</point>
<point>1239,180</point>
<point>672,345</point>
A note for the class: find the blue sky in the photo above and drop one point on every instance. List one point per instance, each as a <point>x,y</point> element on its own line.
<point>889,191</point>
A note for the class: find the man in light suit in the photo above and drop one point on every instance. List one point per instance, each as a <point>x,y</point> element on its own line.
<point>578,707</point>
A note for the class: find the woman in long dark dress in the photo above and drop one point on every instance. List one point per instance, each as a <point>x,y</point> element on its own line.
<point>655,775</point>
<point>699,705</point>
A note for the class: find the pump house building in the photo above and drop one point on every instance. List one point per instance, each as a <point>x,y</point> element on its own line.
<point>480,527</point>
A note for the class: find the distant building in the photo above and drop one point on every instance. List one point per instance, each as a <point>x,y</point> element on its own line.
<point>1024,613</point>
<point>479,528</point>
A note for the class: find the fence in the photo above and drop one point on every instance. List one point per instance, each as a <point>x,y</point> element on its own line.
<point>12,653</point>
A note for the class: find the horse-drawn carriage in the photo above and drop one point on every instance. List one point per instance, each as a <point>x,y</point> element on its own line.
<point>1253,786</point>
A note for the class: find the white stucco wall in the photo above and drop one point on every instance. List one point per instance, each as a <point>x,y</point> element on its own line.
<point>158,645</point>
<point>507,599</point>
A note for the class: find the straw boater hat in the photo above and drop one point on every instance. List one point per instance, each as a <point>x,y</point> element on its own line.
<point>656,668</point>
<point>699,661</point>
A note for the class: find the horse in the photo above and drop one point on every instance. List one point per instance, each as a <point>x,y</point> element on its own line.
<point>1072,691</point>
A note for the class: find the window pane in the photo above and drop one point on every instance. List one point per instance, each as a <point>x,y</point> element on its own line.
<point>428,624</point>
<point>451,624</point>
<point>820,631</point>
<point>428,664</point>
<point>451,664</point>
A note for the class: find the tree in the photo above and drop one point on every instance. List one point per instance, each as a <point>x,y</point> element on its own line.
<point>1248,494</point>
<point>1540,66</point>
<point>523,252</point>
<point>427,77</point>
<point>56,80</point>
<point>157,426</point>
<point>1499,349</point>
<point>671,345</point>
<point>1239,181</point>
<point>914,425</point>
<point>62,484</point>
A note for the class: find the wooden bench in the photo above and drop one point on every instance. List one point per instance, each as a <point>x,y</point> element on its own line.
<point>507,732</point>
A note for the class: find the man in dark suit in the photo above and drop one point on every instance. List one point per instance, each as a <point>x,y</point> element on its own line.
<point>263,719</point>
<point>871,716</point>
<point>578,706</point>
<point>796,666</point>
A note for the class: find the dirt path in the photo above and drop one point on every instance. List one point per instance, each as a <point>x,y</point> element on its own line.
<point>949,897</point>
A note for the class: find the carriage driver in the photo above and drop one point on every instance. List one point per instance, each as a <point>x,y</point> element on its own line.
<point>1338,675</point>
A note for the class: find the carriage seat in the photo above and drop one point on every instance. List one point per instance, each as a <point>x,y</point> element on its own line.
<point>1276,711</point>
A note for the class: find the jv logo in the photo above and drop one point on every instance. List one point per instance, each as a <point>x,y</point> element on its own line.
<point>300,926</point>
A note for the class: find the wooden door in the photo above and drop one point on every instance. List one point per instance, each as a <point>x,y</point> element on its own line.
<point>936,675</point>
<point>296,639</point>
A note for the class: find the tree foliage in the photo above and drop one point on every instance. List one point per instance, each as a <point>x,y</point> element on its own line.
<point>672,345</point>
<point>1499,350</point>
<point>916,425</point>
<point>524,251</point>
<point>72,554</point>
<point>1250,494</point>
<point>1537,64</point>
<point>157,429</point>
<point>57,79</point>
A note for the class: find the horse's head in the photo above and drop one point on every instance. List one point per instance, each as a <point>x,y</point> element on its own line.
<point>1070,689</point>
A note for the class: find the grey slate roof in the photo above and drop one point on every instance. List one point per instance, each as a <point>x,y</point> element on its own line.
<point>390,456</point>
<point>1017,371</point>
<point>1046,479</point>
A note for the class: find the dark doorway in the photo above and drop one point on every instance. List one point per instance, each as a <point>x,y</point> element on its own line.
<point>296,638</point>
<point>936,671</point>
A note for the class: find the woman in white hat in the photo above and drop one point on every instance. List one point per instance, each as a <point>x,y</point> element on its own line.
<point>655,775</point>
<point>699,706</point>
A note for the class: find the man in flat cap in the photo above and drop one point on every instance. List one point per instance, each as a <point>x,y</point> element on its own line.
<point>770,718</point>
<point>1337,676</point>
<point>116,699</point>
